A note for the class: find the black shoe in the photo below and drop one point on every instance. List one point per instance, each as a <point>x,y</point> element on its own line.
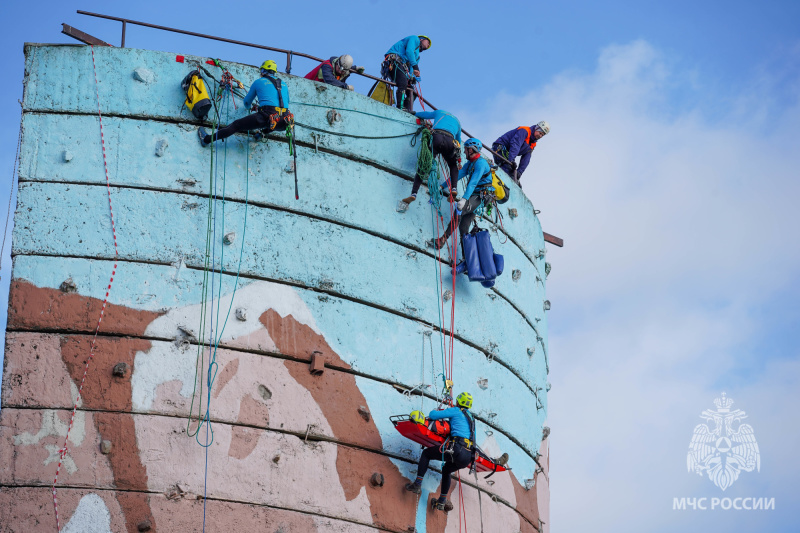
<point>502,460</point>
<point>413,487</point>
<point>440,505</point>
<point>201,133</point>
<point>257,136</point>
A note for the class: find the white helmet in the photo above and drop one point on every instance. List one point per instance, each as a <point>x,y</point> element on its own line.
<point>544,127</point>
<point>345,61</point>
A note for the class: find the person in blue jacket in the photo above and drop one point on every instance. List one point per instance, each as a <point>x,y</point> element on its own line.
<point>479,180</point>
<point>272,111</point>
<point>518,142</point>
<point>446,141</point>
<point>456,453</point>
<point>401,65</point>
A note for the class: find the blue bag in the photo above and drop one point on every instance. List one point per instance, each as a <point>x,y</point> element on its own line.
<point>471,259</point>
<point>499,263</point>
<point>486,254</point>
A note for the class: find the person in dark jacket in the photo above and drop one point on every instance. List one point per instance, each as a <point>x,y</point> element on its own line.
<point>272,113</point>
<point>446,142</point>
<point>518,142</point>
<point>401,65</point>
<point>462,439</point>
<point>335,71</point>
<point>479,179</point>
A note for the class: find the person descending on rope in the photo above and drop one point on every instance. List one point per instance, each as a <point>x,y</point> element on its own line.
<point>335,71</point>
<point>479,181</point>
<point>401,65</point>
<point>271,113</point>
<point>518,142</point>
<point>446,141</point>
<point>455,453</point>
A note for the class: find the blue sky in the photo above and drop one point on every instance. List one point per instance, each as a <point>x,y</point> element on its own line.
<point>671,172</point>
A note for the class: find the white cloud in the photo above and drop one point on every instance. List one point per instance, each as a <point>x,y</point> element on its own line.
<point>679,223</point>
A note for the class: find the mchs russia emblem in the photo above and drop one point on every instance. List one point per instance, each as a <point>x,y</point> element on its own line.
<point>723,447</point>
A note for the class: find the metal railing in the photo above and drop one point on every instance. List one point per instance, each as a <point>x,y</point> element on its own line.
<point>289,54</point>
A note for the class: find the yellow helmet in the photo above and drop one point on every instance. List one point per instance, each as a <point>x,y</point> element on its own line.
<point>464,400</point>
<point>418,417</point>
<point>430,43</point>
<point>269,65</point>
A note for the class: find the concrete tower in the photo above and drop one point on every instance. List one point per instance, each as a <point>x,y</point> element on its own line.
<point>337,276</point>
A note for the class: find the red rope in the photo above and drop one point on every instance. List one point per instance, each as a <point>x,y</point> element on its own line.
<point>63,451</point>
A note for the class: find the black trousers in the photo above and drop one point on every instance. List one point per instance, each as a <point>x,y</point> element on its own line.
<point>443,145</point>
<point>461,458</point>
<point>404,87</point>
<point>467,217</point>
<point>253,122</point>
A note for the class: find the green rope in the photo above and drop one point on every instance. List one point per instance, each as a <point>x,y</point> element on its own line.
<point>425,155</point>
<point>312,128</point>
<point>358,111</point>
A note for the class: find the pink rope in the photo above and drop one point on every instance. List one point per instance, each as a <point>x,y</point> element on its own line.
<point>63,451</point>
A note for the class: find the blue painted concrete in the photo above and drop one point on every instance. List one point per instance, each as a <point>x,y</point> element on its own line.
<point>343,236</point>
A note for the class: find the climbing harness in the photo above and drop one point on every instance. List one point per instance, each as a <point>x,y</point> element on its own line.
<point>62,453</point>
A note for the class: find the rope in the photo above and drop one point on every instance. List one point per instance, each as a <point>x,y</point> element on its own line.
<point>11,187</point>
<point>63,451</point>
<point>405,121</point>
<point>306,126</point>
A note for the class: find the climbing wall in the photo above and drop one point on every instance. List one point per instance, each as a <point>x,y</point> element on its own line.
<point>338,276</point>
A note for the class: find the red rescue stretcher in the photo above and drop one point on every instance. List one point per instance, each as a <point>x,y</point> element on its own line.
<point>427,437</point>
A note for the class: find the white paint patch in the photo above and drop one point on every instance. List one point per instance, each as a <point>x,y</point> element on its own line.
<point>52,425</point>
<point>91,516</point>
<point>163,363</point>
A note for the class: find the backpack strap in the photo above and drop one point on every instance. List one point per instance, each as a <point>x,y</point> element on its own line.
<point>471,423</point>
<point>277,83</point>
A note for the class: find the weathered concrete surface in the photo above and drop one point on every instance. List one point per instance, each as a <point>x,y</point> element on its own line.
<point>338,272</point>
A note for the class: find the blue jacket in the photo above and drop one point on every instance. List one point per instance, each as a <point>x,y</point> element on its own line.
<point>266,93</point>
<point>459,426</point>
<point>514,142</point>
<point>442,120</point>
<point>408,50</point>
<point>479,173</point>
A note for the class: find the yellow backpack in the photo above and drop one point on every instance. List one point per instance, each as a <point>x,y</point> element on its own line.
<point>501,191</point>
<point>197,99</point>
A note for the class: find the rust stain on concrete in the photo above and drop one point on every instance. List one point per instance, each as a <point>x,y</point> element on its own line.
<point>243,441</point>
<point>227,374</point>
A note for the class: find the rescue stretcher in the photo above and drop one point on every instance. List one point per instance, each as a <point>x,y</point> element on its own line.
<point>424,435</point>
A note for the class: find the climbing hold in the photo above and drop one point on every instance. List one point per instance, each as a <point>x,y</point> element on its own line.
<point>542,253</point>
<point>68,286</point>
<point>161,147</point>
<point>411,255</point>
<point>264,392</point>
<point>547,269</point>
<point>447,295</point>
<point>530,483</point>
<point>547,305</point>
<point>364,412</point>
<point>516,274</point>
<point>321,87</point>
<point>144,525</point>
<point>276,459</point>
<point>545,432</point>
<point>144,75</point>
<point>229,238</point>
<point>289,167</point>
<point>548,386</point>
<point>483,383</point>
<point>402,207</point>
<point>241,314</point>
<point>490,294</point>
<point>67,155</point>
<point>120,370</point>
<point>333,117</point>
<point>317,363</point>
<point>105,447</point>
<point>531,351</point>
<point>512,212</point>
<point>376,480</point>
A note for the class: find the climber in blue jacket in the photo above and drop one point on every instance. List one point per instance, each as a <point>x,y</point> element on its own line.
<point>272,112</point>
<point>479,176</point>
<point>460,442</point>
<point>401,65</point>
<point>446,141</point>
<point>518,142</point>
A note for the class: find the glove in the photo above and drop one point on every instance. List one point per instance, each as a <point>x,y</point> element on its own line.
<point>513,165</point>
<point>350,88</point>
<point>461,204</point>
<point>360,70</point>
<point>418,78</point>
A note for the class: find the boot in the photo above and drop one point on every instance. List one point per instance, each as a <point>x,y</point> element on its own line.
<point>438,244</point>
<point>502,460</point>
<point>409,199</point>
<point>441,505</point>
<point>201,133</point>
<point>413,487</point>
